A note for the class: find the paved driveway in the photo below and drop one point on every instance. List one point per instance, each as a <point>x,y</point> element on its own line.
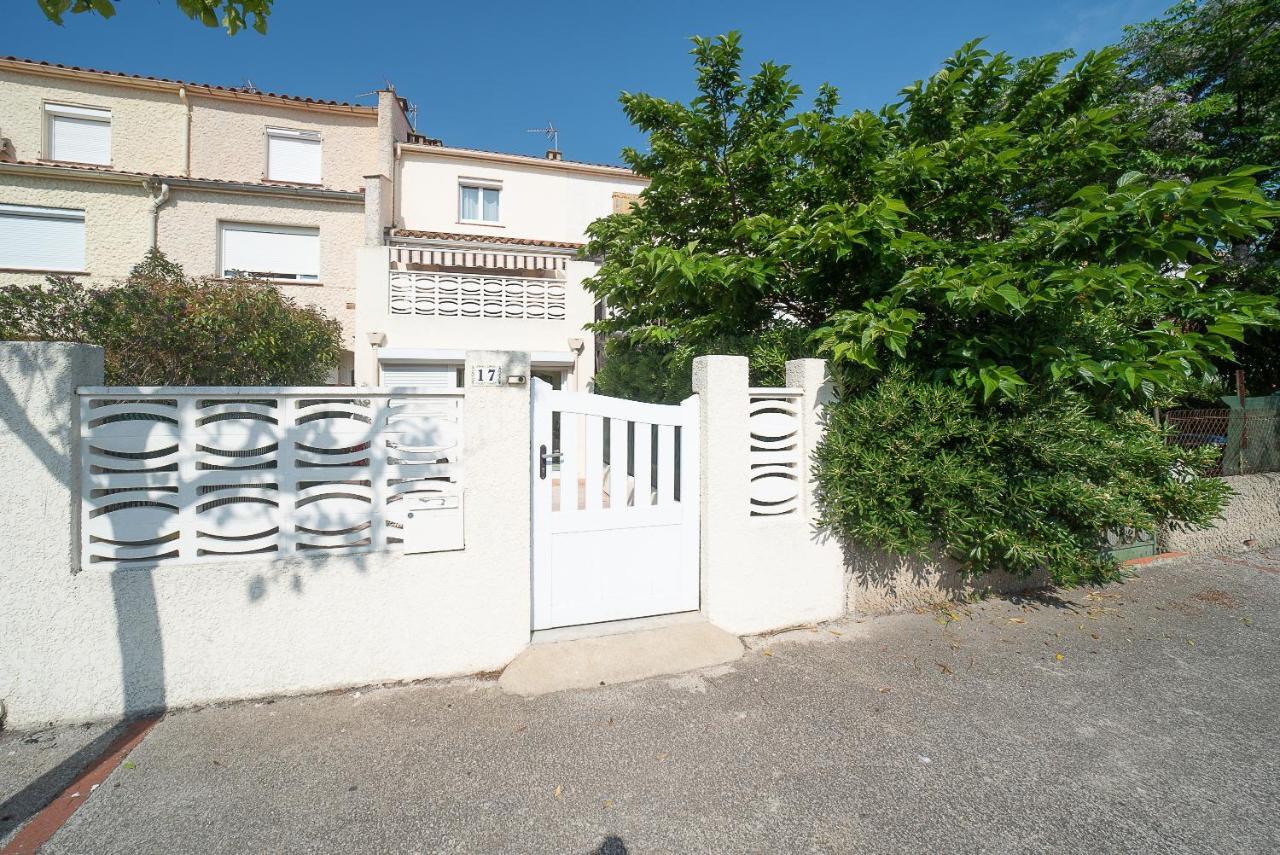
<point>1138,718</point>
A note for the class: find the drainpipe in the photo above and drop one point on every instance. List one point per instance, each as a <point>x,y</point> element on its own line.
<point>186,132</point>
<point>159,195</point>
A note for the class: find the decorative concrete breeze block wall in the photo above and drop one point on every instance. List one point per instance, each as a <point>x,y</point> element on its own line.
<point>102,641</point>
<point>762,572</point>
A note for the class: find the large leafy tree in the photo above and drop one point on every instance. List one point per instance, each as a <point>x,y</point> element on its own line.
<point>159,327</point>
<point>986,237</point>
<point>988,228</point>
<point>1208,73</point>
<point>231,15</point>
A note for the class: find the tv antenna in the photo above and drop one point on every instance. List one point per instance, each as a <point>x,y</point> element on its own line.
<point>551,132</point>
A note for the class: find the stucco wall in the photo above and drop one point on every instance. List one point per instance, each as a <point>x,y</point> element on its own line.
<point>115,220</point>
<point>229,140</point>
<point>880,582</point>
<point>188,234</point>
<point>416,331</point>
<point>105,641</point>
<point>146,126</point>
<point>1251,519</point>
<point>541,201</point>
<point>759,574</point>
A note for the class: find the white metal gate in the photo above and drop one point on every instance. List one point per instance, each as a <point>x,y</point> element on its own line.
<point>615,508</point>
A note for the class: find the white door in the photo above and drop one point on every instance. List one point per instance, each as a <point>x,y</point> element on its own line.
<point>615,508</point>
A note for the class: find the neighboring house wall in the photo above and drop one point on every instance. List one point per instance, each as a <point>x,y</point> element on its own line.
<point>224,146</point>
<point>229,140</point>
<point>110,250</point>
<point>147,126</point>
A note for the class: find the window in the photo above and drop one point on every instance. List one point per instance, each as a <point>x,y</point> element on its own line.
<point>293,156</point>
<point>478,203</point>
<point>78,134</point>
<point>285,253</point>
<point>430,375</point>
<point>41,238</point>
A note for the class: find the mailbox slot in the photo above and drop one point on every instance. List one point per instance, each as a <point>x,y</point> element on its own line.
<point>433,524</point>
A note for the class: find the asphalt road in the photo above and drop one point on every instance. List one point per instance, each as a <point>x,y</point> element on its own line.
<point>1143,717</point>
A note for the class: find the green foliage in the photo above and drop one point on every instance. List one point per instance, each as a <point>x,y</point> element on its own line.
<point>160,328</point>
<point>915,465</point>
<point>1002,244</point>
<point>662,374</point>
<point>1208,76</point>
<point>985,229</point>
<point>231,15</point>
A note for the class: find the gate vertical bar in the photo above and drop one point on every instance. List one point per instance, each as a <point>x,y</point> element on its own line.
<point>540,474</point>
<point>643,464</point>
<point>617,463</point>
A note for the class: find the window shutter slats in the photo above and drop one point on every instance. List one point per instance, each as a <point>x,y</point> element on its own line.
<point>420,374</point>
<point>293,156</point>
<point>278,252</point>
<point>79,139</point>
<point>41,238</point>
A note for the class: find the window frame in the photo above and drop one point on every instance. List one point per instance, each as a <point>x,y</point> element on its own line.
<point>278,228</point>
<point>47,212</point>
<point>49,110</point>
<point>481,184</point>
<point>295,133</point>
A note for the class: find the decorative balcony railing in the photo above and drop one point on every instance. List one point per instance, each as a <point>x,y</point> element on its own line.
<point>465,295</point>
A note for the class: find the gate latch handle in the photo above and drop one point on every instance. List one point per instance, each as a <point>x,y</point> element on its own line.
<point>544,458</point>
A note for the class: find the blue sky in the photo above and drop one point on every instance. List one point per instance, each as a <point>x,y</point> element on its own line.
<point>481,73</point>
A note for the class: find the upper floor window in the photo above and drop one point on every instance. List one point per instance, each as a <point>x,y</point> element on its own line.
<point>283,253</point>
<point>78,134</point>
<point>478,203</point>
<point>41,238</point>
<point>293,156</point>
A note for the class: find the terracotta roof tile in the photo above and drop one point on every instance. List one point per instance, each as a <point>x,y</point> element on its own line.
<point>494,239</point>
<point>232,89</point>
<point>107,170</point>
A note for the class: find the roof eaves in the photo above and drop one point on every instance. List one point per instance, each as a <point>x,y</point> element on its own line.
<point>38,66</point>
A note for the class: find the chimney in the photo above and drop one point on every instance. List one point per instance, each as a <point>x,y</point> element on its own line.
<point>554,154</point>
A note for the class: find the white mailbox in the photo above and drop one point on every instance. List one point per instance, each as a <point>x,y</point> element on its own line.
<point>433,524</point>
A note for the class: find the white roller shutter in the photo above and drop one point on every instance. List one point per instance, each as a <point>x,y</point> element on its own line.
<point>79,134</point>
<point>272,252</point>
<point>420,374</point>
<point>41,238</point>
<point>293,156</point>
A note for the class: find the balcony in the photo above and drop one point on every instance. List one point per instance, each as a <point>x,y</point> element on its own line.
<point>437,294</point>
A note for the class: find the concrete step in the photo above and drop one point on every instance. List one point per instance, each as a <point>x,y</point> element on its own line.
<point>584,662</point>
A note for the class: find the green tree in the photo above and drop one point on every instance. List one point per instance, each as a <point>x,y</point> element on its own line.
<point>987,234</point>
<point>231,15</point>
<point>160,328</point>
<point>1208,75</point>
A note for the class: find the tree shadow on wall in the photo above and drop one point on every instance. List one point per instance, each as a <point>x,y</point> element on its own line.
<point>51,438</point>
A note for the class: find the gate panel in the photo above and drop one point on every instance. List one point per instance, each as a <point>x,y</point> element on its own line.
<point>615,508</point>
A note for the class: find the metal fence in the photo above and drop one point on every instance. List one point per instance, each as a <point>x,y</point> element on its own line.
<point>1246,441</point>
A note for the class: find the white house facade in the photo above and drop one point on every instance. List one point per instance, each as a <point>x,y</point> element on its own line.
<point>482,252</point>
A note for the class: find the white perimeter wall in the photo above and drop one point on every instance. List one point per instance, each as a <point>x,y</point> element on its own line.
<point>100,642</point>
<point>760,573</point>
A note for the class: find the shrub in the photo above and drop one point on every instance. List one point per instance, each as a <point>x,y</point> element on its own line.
<point>162,328</point>
<point>912,465</point>
<point>663,373</point>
